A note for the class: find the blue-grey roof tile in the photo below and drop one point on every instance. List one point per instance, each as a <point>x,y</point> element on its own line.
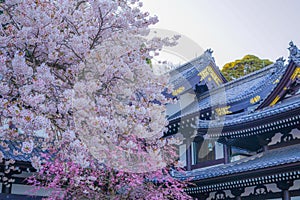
<point>272,158</point>
<point>8,152</point>
<point>259,82</point>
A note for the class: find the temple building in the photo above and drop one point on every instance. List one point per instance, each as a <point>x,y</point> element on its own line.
<point>240,139</point>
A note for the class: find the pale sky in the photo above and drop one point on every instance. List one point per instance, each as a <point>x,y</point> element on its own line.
<point>232,28</point>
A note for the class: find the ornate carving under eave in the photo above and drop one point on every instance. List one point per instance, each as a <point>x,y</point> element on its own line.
<point>220,195</point>
<point>286,136</point>
<point>260,192</point>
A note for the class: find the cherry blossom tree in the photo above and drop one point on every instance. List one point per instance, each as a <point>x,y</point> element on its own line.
<point>74,74</point>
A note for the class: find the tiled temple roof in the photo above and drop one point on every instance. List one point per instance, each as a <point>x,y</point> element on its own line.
<point>187,75</point>
<point>12,150</point>
<point>272,158</point>
<point>261,82</point>
<point>188,69</point>
<point>230,120</point>
<point>254,92</point>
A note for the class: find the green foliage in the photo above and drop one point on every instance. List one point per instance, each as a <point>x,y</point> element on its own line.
<point>149,62</point>
<point>246,65</point>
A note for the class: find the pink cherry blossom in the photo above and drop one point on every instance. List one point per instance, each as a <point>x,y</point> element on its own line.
<point>75,73</point>
<point>27,147</point>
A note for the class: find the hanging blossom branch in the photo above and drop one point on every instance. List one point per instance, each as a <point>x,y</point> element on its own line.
<point>77,72</point>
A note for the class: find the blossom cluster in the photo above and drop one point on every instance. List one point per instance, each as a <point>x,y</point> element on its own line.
<point>76,73</point>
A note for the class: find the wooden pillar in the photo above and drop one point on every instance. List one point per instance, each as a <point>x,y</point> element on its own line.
<point>188,154</point>
<point>285,186</point>
<point>6,186</point>
<point>226,153</point>
<point>6,189</point>
<point>9,170</point>
<point>286,195</point>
